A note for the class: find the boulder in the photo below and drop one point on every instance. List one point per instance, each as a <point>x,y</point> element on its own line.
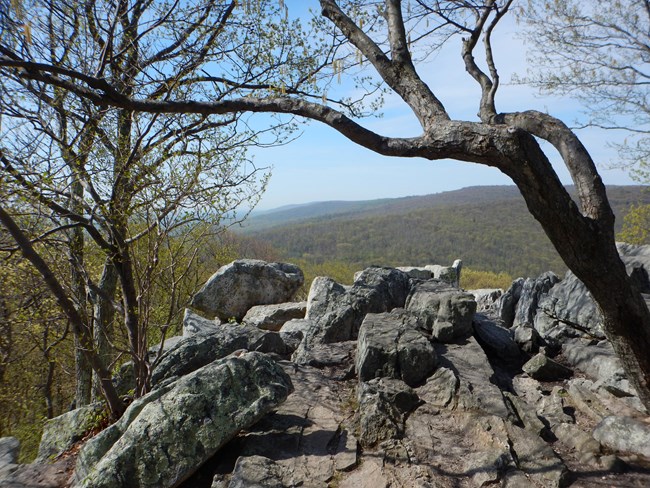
<point>195,324</point>
<point>486,298</point>
<point>336,312</point>
<point>444,311</point>
<point>196,351</point>
<point>496,339</point>
<point>293,331</point>
<point>543,368</point>
<point>417,273</point>
<point>391,345</point>
<point>383,406</point>
<point>446,274</point>
<point>242,284</point>
<point>506,304</point>
<point>9,450</point>
<point>527,338</point>
<point>255,472</point>
<point>624,434</point>
<point>273,317</point>
<point>166,435</point>
<point>60,433</point>
<point>531,292</point>
<point>440,388</point>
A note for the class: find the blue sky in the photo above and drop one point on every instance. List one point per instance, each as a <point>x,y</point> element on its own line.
<point>322,165</point>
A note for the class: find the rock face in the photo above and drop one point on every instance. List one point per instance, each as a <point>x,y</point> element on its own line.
<point>624,434</point>
<point>242,284</point>
<point>166,435</point>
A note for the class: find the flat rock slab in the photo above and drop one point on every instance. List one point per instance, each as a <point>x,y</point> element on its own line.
<point>273,317</point>
<point>624,434</point>
<point>165,436</point>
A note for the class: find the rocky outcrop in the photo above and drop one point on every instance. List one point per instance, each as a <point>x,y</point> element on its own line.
<point>163,437</point>
<point>240,285</point>
<point>9,449</point>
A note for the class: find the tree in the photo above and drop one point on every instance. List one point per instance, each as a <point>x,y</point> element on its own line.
<point>598,53</point>
<point>119,177</point>
<point>386,35</point>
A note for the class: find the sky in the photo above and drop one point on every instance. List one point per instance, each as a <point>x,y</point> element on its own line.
<point>322,165</point>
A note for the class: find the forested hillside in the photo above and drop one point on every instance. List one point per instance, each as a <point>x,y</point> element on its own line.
<point>488,227</point>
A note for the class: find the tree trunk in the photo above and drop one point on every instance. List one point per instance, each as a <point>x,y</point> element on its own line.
<point>103,314</point>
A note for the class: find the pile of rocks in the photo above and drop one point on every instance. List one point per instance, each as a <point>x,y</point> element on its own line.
<point>396,380</point>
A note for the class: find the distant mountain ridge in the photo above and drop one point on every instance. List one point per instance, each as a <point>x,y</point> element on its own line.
<point>489,227</point>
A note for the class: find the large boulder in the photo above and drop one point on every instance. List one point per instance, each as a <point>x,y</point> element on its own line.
<point>60,433</point>
<point>443,310</point>
<point>198,350</point>
<point>335,312</point>
<point>242,284</point>
<point>9,450</point>
<point>531,292</point>
<point>391,345</point>
<point>195,324</point>
<point>273,317</point>
<point>624,434</point>
<point>165,436</point>
<point>505,306</point>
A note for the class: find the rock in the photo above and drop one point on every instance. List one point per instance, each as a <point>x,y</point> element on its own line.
<point>624,434</point>
<point>498,340</point>
<point>256,472</point>
<point>440,389</point>
<point>339,311</point>
<point>599,362</point>
<point>568,310</point>
<point>293,331</point>
<point>637,263</point>
<point>327,355</point>
<point>9,450</point>
<point>543,368</point>
<point>390,345</point>
<point>574,437</point>
<point>506,304</point>
<point>486,298</point>
<point>195,324</point>
<point>196,351</point>
<point>242,284</point>
<point>273,317</point>
<point>531,292</point>
<point>416,273</point>
<point>447,274</point>
<point>527,414</point>
<point>60,433</point>
<point>527,338</point>
<point>445,311</point>
<point>166,435</point>
<point>383,406</point>
<point>475,391</point>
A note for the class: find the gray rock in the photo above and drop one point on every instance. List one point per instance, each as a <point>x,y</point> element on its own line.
<point>196,351</point>
<point>624,434</point>
<point>390,345</point>
<point>242,284</point>
<point>506,304</point>
<point>447,274</point>
<point>574,437</point>
<point>9,450</point>
<point>498,340</point>
<point>195,324</point>
<point>166,435</point>
<point>568,310</point>
<point>416,273</point>
<point>531,292</point>
<point>443,310</point>
<point>527,414</point>
<point>440,389</point>
<point>326,355</point>
<point>599,362</point>
<point>293,331</point>
<point>337,311</point>
<point>475,391</point>
<point>527,338</point>
<point>60,433</point>
<point>273,317</point>
<point>486,298</point>
<point>383,406</point>
<point>543,368</point>
<point>256,472</point>
<point>637,263</point>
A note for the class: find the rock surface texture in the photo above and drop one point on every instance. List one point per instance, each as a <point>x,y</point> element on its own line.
<point>240,285</point>
<point>397,383</point>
